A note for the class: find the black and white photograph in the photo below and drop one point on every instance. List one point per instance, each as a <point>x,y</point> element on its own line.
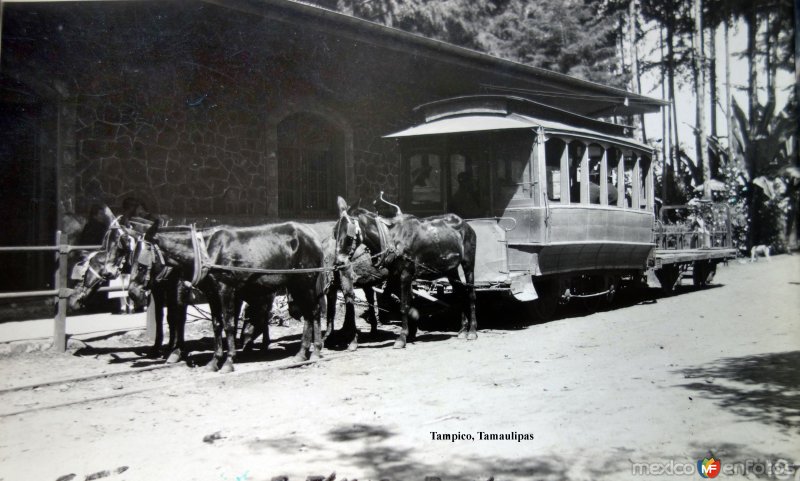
<point>399,240</point>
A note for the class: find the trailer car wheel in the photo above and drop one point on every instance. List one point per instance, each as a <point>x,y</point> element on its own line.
<point>703,273</point>
<point>668,277</point>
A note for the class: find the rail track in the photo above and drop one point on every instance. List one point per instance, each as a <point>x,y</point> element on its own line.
<point>64,385</point>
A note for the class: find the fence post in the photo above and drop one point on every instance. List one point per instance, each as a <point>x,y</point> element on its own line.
<point>60,329</point>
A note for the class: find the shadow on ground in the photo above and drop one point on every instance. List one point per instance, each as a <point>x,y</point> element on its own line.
<point>765,387</point>
<point>372,450</point>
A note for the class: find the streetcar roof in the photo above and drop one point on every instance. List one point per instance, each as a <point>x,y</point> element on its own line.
<point>486,113</point>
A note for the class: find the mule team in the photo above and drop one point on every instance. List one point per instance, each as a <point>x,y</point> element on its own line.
<point>232,265</point>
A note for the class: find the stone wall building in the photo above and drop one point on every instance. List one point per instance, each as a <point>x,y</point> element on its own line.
<point>241,111</point>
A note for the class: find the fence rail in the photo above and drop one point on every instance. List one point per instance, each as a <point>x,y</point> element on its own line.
<point>60,290</point>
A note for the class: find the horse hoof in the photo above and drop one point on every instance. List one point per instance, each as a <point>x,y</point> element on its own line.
<point>315,356</point>
<point>299,357</point>
<point>462,335</point>
<point>212,366</point>
<point>153,353</point>
<point>174,357</point>
<point>398,344</point>
<point>352,346</point>
<point>472,336</point>
<point>226,368</point>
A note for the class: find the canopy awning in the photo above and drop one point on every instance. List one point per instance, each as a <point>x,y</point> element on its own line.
<point>485,123</point>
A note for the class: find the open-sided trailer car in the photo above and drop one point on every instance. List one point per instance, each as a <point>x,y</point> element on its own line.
<point>563,205</point>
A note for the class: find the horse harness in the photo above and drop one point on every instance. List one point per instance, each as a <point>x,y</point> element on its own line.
<point>203,264</point>
<point>145,255</point>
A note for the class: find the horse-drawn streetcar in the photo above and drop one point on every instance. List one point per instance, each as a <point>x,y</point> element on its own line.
<point>562,205</point>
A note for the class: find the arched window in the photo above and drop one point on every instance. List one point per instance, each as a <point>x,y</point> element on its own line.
<point>310,166</point>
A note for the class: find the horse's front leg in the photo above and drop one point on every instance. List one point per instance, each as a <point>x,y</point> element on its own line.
<point>349,330</point>
<point>308,330</point>
<point>473,319</point>
<point>372,319</point>
<point>406,277</point>
<point>466,301</point>
<point>330,294</point>
<point>158,309</point>
<point>231,313</point>
<point>176,318</point>
<point>177,309</point>
<point>214,297</point>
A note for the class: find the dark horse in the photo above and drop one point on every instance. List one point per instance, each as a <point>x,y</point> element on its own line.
<point>125,249</point>
<point>413,248</point>
<point>150,274</point>
<point>357,269</point>
<point>252,264</point>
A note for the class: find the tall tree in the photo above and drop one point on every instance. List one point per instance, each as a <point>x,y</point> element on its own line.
<point>701,146</point>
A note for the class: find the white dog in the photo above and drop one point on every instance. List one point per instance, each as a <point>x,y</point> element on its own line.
<point>760,250</point>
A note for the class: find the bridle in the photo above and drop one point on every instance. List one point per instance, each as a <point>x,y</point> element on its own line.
<point>144,256</point>
<point>352,232</point>
<point>123,241</point>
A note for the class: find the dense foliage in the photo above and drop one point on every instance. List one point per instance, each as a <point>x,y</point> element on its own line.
<point>573,37</point>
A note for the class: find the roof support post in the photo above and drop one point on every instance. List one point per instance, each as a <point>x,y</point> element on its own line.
<point>649,185</point>
<point>565,172</point>
<point>539,180</point>
<point>585,175</point>
<point>604,176</point>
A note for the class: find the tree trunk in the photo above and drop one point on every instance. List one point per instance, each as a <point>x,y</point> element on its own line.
<point>700,98</point>
<point>728,104</point>
<point>666,128</point>
<point>752,101</point>
<point>636,80</point>
<point>712,79</point>
<point>676,145</point>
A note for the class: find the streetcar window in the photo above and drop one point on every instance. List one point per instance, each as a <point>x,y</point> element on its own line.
<point>595,157</point>
<point>575,155</point>
<point>553,151</point>
<point>630,160</point>
<point>614,189</point>
<point>512,172</point>
<point>466,184</point>
<point>643,192</point>
<point>425,171</point>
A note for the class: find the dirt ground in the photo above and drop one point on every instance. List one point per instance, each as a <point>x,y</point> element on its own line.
<point>655,381</point>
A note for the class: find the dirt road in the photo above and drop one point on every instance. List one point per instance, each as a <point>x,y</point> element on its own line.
<point>661,382</point>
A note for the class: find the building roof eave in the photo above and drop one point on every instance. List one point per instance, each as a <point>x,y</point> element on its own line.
<point>605,98</point>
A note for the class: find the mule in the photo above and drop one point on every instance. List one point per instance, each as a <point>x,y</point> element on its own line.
<point>238,256</point>
<point>411,248</point>
<point>359,272</point>
<point>150,275</point>
<point>124,249</point>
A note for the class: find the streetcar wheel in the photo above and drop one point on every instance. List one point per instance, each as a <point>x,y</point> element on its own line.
<point>588,285</point>
<point>612,285</point>
<point>545,307</point>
